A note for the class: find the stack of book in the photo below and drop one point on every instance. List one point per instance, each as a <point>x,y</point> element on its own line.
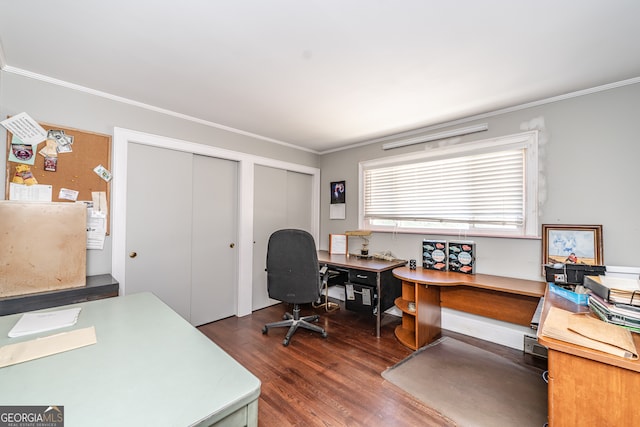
<point>615,300</point>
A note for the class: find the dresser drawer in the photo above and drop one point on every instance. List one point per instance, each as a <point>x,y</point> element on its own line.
<point>362,277</point>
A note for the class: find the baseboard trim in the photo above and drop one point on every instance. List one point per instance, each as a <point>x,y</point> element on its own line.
<point>496,331</point>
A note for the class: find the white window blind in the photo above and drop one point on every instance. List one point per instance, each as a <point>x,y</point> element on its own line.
<point>485,188</point>
<point>489,186</point>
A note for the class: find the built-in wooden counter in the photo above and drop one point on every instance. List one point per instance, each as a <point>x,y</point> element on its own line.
<point>502,298</point>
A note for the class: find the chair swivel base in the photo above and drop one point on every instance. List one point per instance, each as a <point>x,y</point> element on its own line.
<point>294,321</point>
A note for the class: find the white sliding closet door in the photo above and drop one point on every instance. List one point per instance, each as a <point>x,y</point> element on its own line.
<point>214,252</point>
<point>159,225</point>
<point>181,230</point>
<point>282,199</point>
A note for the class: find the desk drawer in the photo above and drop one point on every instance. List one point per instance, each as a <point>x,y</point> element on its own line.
<point>362,277</point>
<point>361,298</point>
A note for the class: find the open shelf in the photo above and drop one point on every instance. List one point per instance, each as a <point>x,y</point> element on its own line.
<point>406,331</point>
<point>403,305</point>
<point>406,337</point>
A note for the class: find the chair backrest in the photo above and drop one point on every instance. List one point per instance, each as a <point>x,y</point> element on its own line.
<point>292,267</point>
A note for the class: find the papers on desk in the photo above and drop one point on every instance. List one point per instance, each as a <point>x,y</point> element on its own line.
<point>615,289</point>
<point>586,331</point>
<point>13,354</point>
<point>32,323</point>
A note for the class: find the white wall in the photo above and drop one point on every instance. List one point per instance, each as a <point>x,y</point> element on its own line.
<point>70,108</point>
<point>589,163</point>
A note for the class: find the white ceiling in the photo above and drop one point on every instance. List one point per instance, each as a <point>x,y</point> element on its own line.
<point>322,74</point>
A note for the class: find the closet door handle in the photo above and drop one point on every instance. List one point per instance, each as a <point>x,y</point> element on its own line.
<point>232,245</point>
<point>133,254</point>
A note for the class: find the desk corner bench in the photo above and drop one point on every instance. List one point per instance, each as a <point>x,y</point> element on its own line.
<point>501,298</point>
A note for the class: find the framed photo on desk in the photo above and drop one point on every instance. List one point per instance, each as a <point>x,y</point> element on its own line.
<point>572,244</point>
<point>338,244</point>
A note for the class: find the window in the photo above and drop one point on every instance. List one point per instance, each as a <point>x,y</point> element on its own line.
<point>485,187</point>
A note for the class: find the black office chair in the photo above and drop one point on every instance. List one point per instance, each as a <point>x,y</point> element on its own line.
<point>293,276</point>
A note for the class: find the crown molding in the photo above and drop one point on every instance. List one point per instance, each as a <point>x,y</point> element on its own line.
<point>116,98</point>
<point>9,69</point>
<point>506,110</point>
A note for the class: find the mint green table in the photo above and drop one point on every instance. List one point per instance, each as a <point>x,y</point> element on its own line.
<point>149,368</point>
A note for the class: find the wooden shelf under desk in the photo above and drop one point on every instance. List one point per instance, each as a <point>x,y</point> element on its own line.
<point>497,297</point>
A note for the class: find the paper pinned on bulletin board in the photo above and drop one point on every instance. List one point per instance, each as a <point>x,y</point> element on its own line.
<point>30,193</point>
<point>25,128</point>
<point>97,220</point>
<point>21,152</point>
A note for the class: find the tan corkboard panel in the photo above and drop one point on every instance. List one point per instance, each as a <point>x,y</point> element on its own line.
<point>75,169</point>
<point>43,247</point>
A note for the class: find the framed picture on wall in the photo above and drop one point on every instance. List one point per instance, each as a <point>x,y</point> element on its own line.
<point>338,192</point>
<point>337,208</point>
<point>572,244</point>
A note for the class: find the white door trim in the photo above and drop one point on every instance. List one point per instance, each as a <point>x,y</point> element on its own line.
<point>121,139</point>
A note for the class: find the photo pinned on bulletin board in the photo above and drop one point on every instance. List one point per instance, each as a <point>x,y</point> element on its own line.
<point>337,209</point>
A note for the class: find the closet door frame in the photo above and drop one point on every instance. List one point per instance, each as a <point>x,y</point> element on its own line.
<point>246,163</point>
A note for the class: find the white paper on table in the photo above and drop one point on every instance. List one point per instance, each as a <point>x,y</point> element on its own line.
<point>20,352</point>
<point>32,323</point>
<point>30,193</point>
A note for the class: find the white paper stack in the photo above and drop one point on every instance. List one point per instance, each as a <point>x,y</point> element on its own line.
<point>32,323</point>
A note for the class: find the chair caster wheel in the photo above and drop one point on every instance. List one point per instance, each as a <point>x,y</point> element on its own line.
<point>265,330</point>
<point>324,335</point>
<point>285,342</point>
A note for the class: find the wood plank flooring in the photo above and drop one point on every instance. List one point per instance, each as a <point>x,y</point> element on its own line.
<point>333,381</point>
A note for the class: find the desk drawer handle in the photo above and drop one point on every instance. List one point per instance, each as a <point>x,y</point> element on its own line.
<point>360,276</point>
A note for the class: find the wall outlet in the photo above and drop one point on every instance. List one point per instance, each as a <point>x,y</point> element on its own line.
<point>532,347</point>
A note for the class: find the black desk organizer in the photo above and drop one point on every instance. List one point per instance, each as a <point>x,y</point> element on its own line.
<point>572,274</point>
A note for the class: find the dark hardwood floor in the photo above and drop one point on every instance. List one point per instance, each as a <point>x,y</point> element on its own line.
<point>333,381</point>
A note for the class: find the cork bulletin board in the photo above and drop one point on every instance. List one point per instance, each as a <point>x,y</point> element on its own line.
<point>74,170</point>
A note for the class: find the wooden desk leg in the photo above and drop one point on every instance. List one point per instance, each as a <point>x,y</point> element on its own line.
<point>378,314</point>
<point>428,313</point>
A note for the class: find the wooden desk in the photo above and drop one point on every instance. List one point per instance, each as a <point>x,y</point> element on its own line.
<point>502,298</point>
<point>97,287</point>
<point>149,367</point>
<point>588,387</point>
<point>383,279</point>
